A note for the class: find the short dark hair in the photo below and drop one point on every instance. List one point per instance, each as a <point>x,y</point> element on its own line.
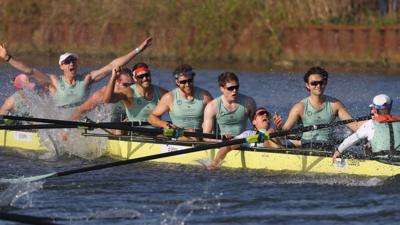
<point>316,70</point>
<point>225,77</point>
<point>182,69</point>
<point>127,71</point>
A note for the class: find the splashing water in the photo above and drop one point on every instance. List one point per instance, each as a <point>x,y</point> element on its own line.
<point>185,209</point>
<point>66,141</point>
<point>19,195</point>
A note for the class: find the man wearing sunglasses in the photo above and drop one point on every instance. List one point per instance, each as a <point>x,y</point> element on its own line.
<point>124,81</point>
<point>317,109</point>
<point>185,104</point>
<point>140,98</point>
<point>71,89</point>
<point>231,110</point>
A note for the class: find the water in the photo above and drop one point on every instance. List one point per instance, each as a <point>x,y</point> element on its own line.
<point>149,193</point>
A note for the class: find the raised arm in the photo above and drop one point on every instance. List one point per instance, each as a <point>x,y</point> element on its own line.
<point>99,74</point>
<point>162,107</point>
<point>110,95</point>
<point>42,78</point>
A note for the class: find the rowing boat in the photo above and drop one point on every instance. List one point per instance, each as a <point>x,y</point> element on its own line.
<point>283,160</point>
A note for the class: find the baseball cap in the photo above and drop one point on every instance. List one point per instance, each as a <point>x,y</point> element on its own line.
<point>381,101</point>
<point>65,56</point>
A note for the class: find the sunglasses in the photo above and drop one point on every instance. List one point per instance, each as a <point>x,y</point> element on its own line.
<point>127,84</point>
<point>318,82</point>
<point>141,76</point>
<point>69,60</point>
<point>231,88</point>
<point>186,81</point>
<point>262,112</point>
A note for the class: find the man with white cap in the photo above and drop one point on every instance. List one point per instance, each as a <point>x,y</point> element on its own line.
<point>17,103</point>
<point>71,89</point>
<point>382,131</point>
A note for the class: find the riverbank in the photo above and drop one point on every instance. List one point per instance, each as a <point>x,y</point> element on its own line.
<point>220,34</point>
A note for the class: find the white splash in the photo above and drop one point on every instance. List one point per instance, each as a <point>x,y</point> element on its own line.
<point>19,195</point>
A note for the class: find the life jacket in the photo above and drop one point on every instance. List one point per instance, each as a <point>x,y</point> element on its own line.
<point>386,134</point>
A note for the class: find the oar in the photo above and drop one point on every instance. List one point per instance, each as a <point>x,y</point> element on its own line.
<point>36,126</point>
<point>169,132</point>
<point>250,139</point>
<point>26,219</point>
<point>68,122</point>
<point>320,126</point>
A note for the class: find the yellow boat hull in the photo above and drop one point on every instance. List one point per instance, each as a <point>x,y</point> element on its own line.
<point>262,158</point>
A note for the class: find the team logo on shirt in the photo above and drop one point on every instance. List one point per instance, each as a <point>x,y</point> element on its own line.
<point>139,102</point>
<point>179,102</point>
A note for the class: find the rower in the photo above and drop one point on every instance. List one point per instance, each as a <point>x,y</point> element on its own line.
<point>140,98</point>
<point>16,104</point>
<point>317,108</point>
<point>185,104</point>
<point>382,131</point>
<point>261,124</point>
<point>71,89</point>
<point>231,110</point>
<point>125,80</point>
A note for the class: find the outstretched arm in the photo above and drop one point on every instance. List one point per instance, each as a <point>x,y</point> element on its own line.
<point>99,74</point>
<point>42,78</point>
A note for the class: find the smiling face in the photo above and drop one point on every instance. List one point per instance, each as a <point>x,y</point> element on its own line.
<point>69,66</point>
<point>261,119</point>
<point>185,83</point>
<point>316,84</point>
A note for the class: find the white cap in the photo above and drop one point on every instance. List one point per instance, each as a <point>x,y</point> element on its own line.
<point>381,101</point>
<point>66,55</point>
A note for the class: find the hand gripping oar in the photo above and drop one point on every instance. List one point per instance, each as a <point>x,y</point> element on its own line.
<point>168,132</point>
<point>251,139</point>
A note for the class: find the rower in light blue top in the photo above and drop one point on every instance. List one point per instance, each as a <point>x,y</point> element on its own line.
<point>17,103</point>
<point>185,104</point>
<point>231,111</point>
<point>140,98</point>
<point>71,89</point>
<point>382,131</point>
<point>317,108</point>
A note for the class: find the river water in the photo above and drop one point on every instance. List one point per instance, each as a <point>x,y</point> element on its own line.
<point>149,193</point>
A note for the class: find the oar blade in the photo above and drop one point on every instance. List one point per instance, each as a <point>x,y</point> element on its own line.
<point>26,179</point>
